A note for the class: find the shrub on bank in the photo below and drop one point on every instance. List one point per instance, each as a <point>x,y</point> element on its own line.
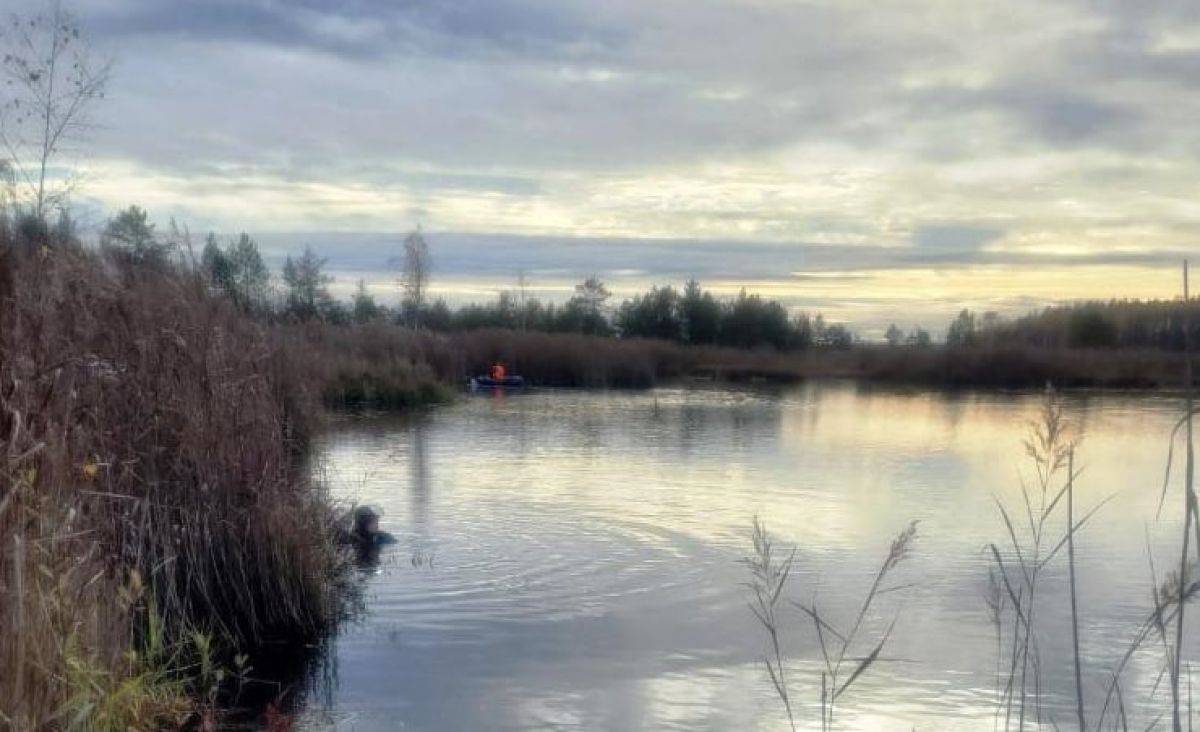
<point>374,365</point>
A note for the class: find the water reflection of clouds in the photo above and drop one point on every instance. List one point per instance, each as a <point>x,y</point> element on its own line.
<point>588,542</point>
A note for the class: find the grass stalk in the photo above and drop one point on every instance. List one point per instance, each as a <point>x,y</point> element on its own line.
<point>1050,446</point>
<point>18,559</point>
<point>1079,705</point>
<point>1189,512</point>
<point>768,579</point>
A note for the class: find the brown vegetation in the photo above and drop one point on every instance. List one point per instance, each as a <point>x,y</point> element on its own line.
<point>375,364</point>
<point>153,504</point>
<point>578,360</point>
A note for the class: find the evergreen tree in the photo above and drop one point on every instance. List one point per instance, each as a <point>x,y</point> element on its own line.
<point>653,315</point>
<point>247,277</point>
<point>700,315</point>
<point>585,312</point>
<point>894,336</point>
<point>364,306</point>
<point>962,331</point>
<point>307,285</point>
<point>131,234</point>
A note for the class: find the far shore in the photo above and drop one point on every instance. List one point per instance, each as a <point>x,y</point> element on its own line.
<point>381,364</point>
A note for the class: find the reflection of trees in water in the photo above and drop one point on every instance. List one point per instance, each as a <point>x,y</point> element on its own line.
<point>688,426</point>
<point>702,427</point>
<point>284,679</point>
<point>420,486</point>
<point>293,677</point>
<point>693,427</point>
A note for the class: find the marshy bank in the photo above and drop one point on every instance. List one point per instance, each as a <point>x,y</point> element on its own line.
<point>157,522</point>
<point>557,359</point>
<point>385,363</point>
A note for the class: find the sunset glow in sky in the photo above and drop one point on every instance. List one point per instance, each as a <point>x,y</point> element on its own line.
<point>876,161</point>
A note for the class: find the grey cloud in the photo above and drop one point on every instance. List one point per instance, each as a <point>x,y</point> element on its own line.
<point>672,261</point>
<point>541,85</point>
<point>573,85</point>
<point>226,21</point>
<point>1052,115</point>
<point>572,110</point>
<point>1064,119</point>
<point>960,238</point>
<point>367,29</point>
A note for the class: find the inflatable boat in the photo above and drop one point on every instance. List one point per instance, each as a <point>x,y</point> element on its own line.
<point>487,382</point>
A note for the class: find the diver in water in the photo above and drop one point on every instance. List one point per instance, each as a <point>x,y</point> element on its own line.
<point>365,535</point>
<point>366,528</point>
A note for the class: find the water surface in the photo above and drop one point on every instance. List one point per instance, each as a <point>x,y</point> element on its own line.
<point>571,559</point>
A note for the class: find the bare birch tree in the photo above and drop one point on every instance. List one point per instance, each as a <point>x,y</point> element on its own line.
<point>415,279</point>
<point>49,87</point>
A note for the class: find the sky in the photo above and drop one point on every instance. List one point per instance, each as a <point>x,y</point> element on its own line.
<point>878,161</point>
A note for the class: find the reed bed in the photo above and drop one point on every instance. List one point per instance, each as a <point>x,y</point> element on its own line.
<point>372,365</point>
<point>567,359</point>
<point>1005,366</point>
<point>155,513</point>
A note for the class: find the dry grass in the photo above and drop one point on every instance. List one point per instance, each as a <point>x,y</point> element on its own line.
<point>148,432</point>
<point>565,359</point>
<point>1020,562</point>
<point>1037,535</point>
<point>1006,366</point>
<point>769,573</point>
<point>374,364</point>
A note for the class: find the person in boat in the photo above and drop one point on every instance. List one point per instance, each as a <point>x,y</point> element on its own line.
<point>499,373</point>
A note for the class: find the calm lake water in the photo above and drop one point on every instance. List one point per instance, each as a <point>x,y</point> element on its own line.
<point>571,559</point>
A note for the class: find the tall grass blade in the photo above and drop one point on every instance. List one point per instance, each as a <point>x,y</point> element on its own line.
<point>865,663</point>
<point>1071,529</point>
<point>1189,513</point>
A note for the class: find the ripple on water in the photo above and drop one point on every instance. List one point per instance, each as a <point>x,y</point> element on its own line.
<point>528,567</point>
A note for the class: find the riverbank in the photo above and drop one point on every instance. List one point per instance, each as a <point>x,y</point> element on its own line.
<point>158,522</point>
<point>574,360</point>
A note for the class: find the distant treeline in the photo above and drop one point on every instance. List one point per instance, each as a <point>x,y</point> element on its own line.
<point>1131,324</point>
<point>690,316</point>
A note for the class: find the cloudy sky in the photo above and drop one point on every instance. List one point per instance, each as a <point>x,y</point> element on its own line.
<point>876,160</point>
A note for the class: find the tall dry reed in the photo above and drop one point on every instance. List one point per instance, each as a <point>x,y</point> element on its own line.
<point>152,439</point>
<point>841,669</point>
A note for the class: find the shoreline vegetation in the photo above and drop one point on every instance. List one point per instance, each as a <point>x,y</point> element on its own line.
<point>368,354</point>
<point>161,528</point>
